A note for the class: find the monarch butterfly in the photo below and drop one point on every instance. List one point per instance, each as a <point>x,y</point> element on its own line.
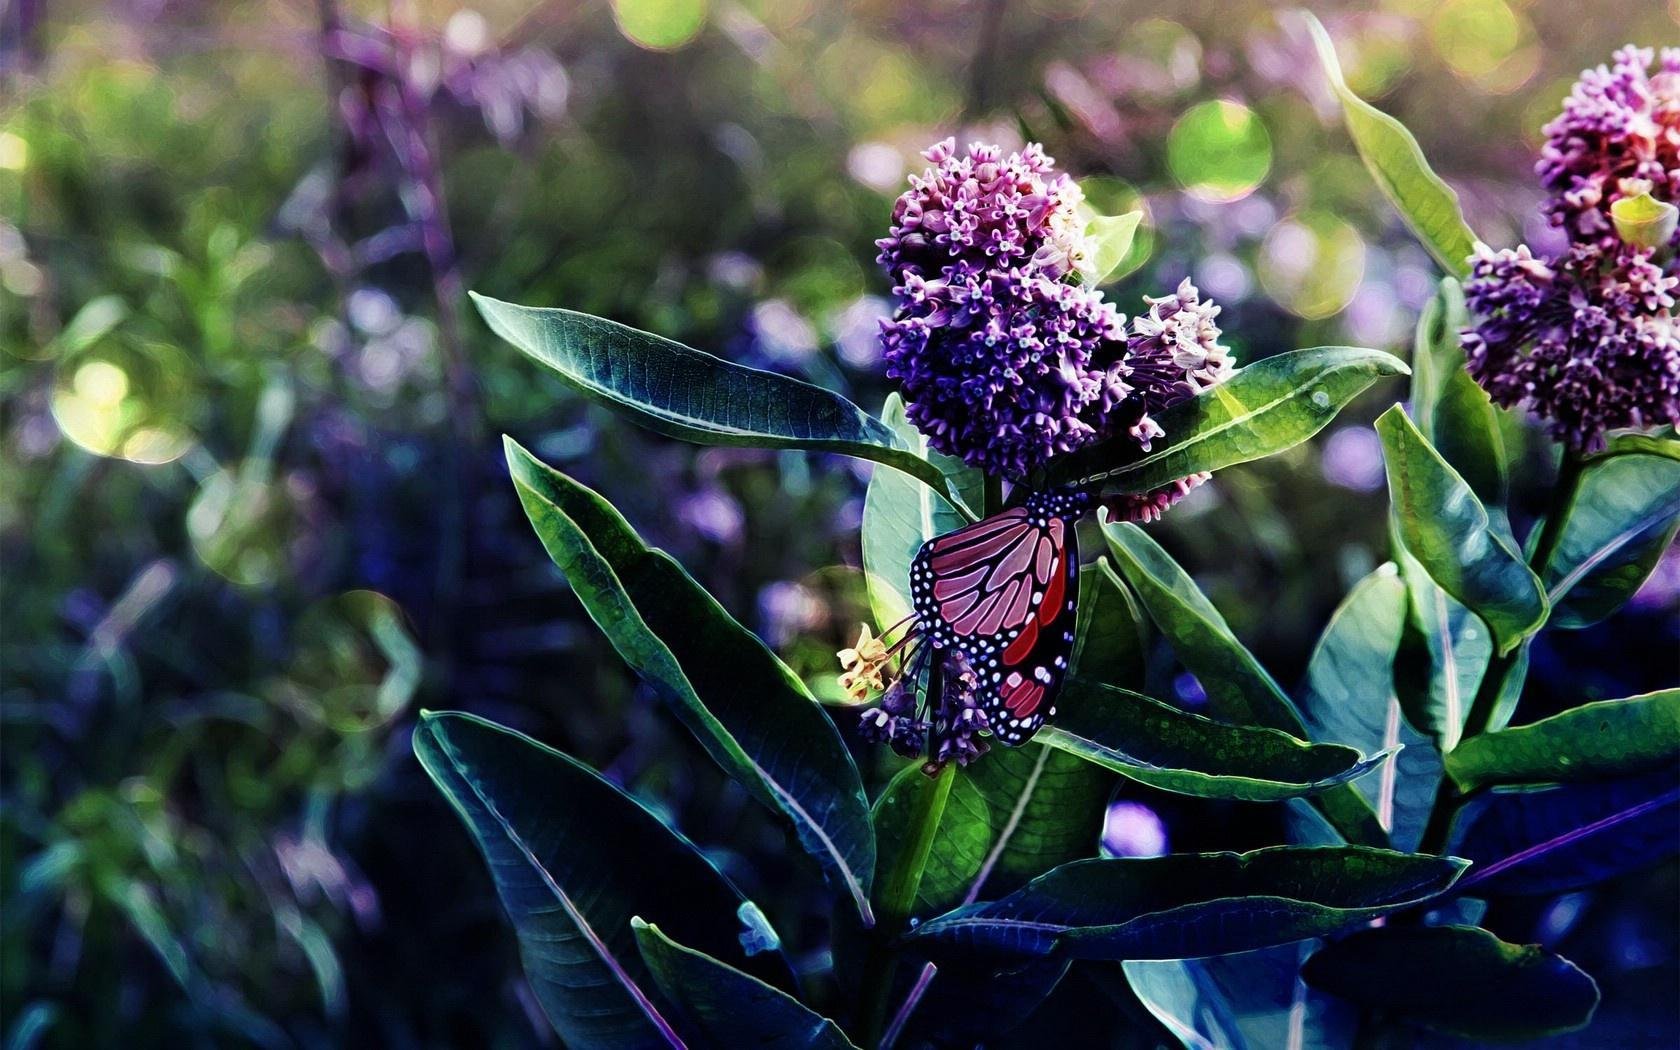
<point>1003,593</point>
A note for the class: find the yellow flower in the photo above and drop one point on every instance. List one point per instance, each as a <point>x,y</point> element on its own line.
<point>864,665</point>
<point>869,650</point>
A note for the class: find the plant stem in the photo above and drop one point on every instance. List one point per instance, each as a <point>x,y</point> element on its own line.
<point>896,898</point>
<point>994,496</point>
<point>1499,669</point>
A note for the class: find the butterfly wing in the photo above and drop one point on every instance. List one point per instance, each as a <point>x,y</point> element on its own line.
<point>1003,591</point>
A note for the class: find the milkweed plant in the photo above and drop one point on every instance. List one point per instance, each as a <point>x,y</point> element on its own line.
<point>1037,419</point>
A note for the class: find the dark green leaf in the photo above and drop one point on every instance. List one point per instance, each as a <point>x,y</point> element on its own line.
<point>1112,639</point>
<point>1391,154</point>
<point>1265,408</point>
<point>574,858</point>
<point>1248,1001</point>
<point>1452,411</point>
<point>1461,980</point>
<point>721,1005</point>
<point>750,712</point>
<point>1623,517</point>
<point>1590,742</point>
<point>1173,750</point>
<point>1239,689</point>
<point>900,514</point>
<point>1564,837</point>
<point>1348,697</point>
<point>1011,816</point>
<point>688,394</point>
<point>1188,905</point>
<point>1445,527</point>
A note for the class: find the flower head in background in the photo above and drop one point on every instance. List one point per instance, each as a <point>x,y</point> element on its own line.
<point>1589,341</point>
<point>983,211</point>
<point>1620,123</point>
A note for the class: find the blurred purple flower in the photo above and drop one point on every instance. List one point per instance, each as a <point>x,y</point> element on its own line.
<point>712,514</point>
<point>1353,459</point>
<point>1588,341</point>
<point>1132,829</point>
<point>788,609</point>
<point>1618,123</point>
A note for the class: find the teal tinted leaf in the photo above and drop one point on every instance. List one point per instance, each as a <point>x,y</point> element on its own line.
<point>718,1004</point>
<point>1264,408</point>
<point>1623,517</point>
<point>1173,750</point>
<point>1189,905</point>
<point>1394,159</point>
<point>686,393</point>
<point>574,858</point>
<point>1348,697</point>
<point>748,709</point>
<point>1661,443</point>
<point>1111,238</point>
<point>1562,837</point>
<point>1252,1001</point>
<point>1239,689</point>
<point>1460,980</point>
<point>1593,741</point>
<point>1111,642</point>
<point>1453,413</point>
<point>901,513</point>
<point>1446,528</point>
<point>1444,653</point>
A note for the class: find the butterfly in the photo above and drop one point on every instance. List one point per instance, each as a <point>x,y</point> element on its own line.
<point>1003,592</point>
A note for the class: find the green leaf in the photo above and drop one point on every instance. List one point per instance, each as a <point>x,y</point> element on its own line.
<point>1265,408</point>
<point>1445,527</point>
<point>1662,443</point>
<point>1624,515</point>
<point>1239,689</point>
<point>1556,838</point>
<point>574,858</point>
<point>1011,816</point>
<point>719,1004</point>
<point>900,514</point>
<point>1444,653</point>
<point>1396,162</point>
<point>1593,741</point>
<point>1460,980</point>
<point>1111,238</point>
<point>1173,750</point>
<point>749,710</point>
<point>1348,696</point>
<point>685,393</point>
<point>1111,641</point>
<point>1452,411</point>
<point>1188,904</point>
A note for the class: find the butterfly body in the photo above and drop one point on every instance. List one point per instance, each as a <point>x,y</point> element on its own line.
<point>1003,592</point>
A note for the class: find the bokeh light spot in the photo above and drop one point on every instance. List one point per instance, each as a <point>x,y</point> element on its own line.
<point>1311,264</point>
<point>1219,151</point>
<point>659,25</point>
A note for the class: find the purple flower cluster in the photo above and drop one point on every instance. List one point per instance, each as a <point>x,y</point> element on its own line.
<point>1619,123</point>
<point>955,723</point>
<point>1002,361</point>
<point>1588,339</point>
<point>985,211</point>
<point>1589,342</point>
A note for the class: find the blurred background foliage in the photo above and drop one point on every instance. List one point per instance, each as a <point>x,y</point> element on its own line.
<point>253,514</point>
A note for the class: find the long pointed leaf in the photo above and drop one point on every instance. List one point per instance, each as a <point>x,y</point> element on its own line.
<point>1452,411</point>
<point>1264,408</point>
<point>1624,515</point>
<point>1593,741</point>
<point>1392,155</point>
<point>574,858</point>
<point>1173,750</point>
<point>1188,905</point>
<point>1445,527</point>
<point>727,1007</point>
<point>747,708</point>
<point>688,394</point>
